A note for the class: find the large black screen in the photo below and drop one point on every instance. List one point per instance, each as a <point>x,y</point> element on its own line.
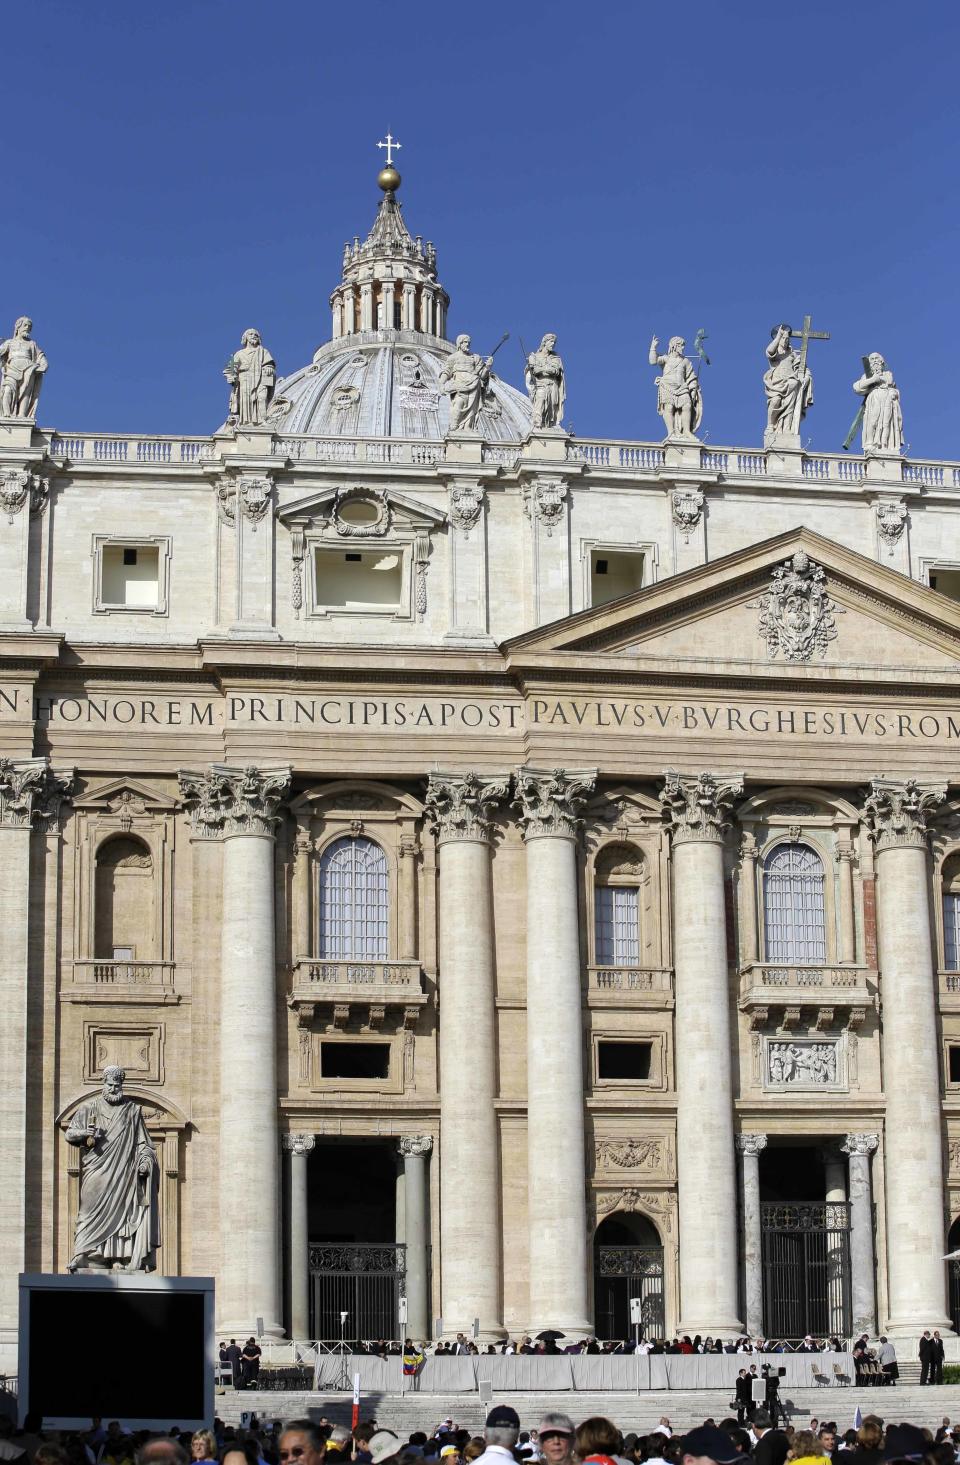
<point>116,1354</point>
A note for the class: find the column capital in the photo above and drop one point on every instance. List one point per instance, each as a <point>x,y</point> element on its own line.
<point>898,812</point>
<point>697,805</point>
<point>550,800</point>
<point>751,1144</point>
<point>32,794</point>
<point>860,1144</point>
<point>415,1145</point>
<point>299,1144</point>
<point>459,805</point>
<point>224,800</point>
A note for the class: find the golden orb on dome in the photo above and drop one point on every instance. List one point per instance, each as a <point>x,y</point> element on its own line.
<point>388,179</point>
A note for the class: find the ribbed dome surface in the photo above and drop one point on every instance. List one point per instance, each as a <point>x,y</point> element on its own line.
<point>386,384</point>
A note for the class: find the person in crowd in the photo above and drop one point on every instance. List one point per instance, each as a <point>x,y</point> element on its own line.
<point>806,1446</point>
<point>743,1396</point>
<point>241,1452</point>
<point>384,1445</point>
<point>828,1439</point>
<point>474,1448</point>
<point>117,1448</point>
<point>556,1433</point>
<point>936,1358</point>
<point>203,1446</point>
<point>597,1440</point>
<point>250,1363</point>
<point>772,1444</point>
<point>339,1441</point>
<point>11,1453</point>
<point>700,1446</point>
<point>500,1432</point>
<point>301,1443</point>
<point>887,1359</point>
<point>868,1449</point>
<point>232,1354</point>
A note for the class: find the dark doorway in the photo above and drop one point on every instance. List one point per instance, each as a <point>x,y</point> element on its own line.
<point>806,1246</point>
<point>953,1244</point>
<point>356,1266</point>
<point>627,1262</point>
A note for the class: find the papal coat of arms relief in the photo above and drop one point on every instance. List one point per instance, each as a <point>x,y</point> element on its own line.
<point>797,616</point>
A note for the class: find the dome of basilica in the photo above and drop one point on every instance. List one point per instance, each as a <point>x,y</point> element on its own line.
<point>379,375</point>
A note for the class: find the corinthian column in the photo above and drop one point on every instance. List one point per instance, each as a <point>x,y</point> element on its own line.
<point>913,1170</point>
<point>241,804</point>
<point>697,809</point>
<point>299,1147</point>
<point>549,803</point>
<point>30,797</point>
<point>459,806</point>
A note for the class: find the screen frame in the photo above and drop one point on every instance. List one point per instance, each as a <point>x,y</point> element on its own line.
<point>32,1282</point>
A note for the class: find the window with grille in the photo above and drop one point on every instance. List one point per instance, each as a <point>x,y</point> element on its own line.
<point>794,924</point>
<point>617,907</point>
<point>951,930</point>
<point>354,901</point>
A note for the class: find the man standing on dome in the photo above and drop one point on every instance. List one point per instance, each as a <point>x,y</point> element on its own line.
<point>465,379</point>
<point>546,383</point>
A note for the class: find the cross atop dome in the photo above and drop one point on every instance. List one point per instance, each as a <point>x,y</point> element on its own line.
<point>389,282</point>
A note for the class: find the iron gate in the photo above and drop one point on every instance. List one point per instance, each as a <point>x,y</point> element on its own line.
<point>806,1270</point>
<point>362,1280</point>
<point>622,1272</point>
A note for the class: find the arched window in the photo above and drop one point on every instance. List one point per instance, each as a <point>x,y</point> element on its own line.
<point>123,901</point>
<point>354,901</point>
<point>617,907</point>
<point>794,923</point>
<point>951,913</point>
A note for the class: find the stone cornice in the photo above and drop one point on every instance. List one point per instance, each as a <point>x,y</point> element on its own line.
<point>898,814</point>
<point>549,800</point>
<point>458,805</point>
<point>697,806</point>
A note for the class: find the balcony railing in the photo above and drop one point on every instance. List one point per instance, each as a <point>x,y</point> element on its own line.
<point>649,986</point>
<point>83,447</point>
<point>793,996</point>
<point>806,976</point>
<point>144,981</point>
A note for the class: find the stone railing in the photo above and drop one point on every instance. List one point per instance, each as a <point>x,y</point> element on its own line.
<point>144,981</point>
<point>362,450</point>
<point>753,463</point>
<point>779,996</point>
<point>83,447</point>
<point>623,979</point>
<point>316,974</point>
<point>615,454</point>
<point>806,976</point>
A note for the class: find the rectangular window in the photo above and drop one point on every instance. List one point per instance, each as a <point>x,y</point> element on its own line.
<point>130,577</point>
<point>614,573</point>
<point>617,926</point>
<point>371,580</point>
<point>951,931</point>
<point>354,1060</point>
<point>945,580</point>
<point>953,1062</point>
<point>625,1062</point>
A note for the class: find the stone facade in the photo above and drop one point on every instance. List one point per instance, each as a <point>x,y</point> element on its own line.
<point>223,660</point>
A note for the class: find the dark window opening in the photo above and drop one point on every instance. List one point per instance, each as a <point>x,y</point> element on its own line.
<point>601,567</point>
<point>354,1060</point>
<point>353,559</point>
<point>629,1061</point>
<point>954,1059</point>
<point>129,556</point>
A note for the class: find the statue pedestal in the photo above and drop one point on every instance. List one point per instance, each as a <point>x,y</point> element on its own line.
<point>251,442</point>
<point>784,454</point>
<point>464,447</point>
<point>546,443</point>
<point>885,468</point>
<point>16,433</point>
<point>681,452</point>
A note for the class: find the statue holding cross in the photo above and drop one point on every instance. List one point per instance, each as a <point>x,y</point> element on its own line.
<point>788,383</point>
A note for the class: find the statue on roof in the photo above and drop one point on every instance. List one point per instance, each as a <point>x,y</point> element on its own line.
<point>465,379</point>
<point>23,365</point>
<point>679,399</point>
<point>546,383</point>
<point>882,417</point>
<point>788,383</point>
<point>252,374</point>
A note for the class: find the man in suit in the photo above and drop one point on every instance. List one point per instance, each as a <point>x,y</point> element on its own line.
<point>772,1444</point>
<point>925,1351</point>
<point>233,1356</point>
<point>744,1396</point>
<point>936,1359</point>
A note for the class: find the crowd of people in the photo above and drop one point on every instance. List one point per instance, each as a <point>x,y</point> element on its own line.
<point>556,1440</point>
<point>549,1342</point>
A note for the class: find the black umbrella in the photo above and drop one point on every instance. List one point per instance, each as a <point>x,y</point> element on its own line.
<point>549,1335</point>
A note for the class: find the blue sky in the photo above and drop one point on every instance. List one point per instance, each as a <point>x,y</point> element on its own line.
<point>176,173</point>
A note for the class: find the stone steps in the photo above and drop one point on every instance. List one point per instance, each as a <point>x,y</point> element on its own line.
<point>684,1408</point>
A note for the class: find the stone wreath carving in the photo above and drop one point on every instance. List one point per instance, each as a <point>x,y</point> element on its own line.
<point>796,613</point>
<point>373,498</point>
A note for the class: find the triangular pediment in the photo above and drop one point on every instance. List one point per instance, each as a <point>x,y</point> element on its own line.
<point>125,793</point>
<point>340,507</point>
<point>795,605</point>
